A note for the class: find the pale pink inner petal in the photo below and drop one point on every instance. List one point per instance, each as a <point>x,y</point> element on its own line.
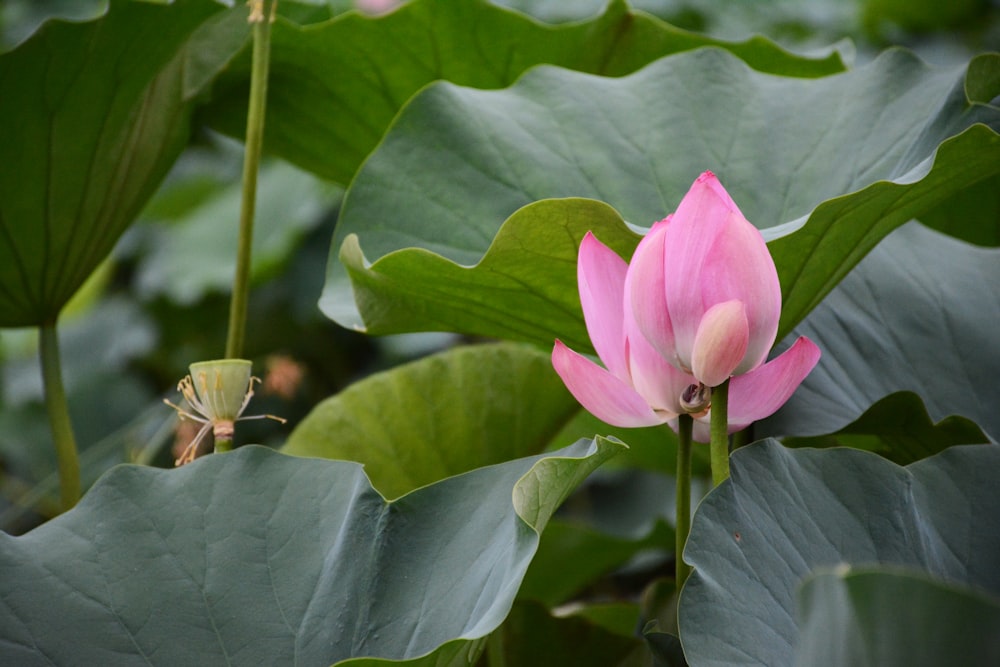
<point>603,395</point>
<point>720,343</point>
<point>687,250</point>
<point>740,267</point>
<point>601,278</point>
<point>653,376</point>
<point>761,392</point>
<point>644,292</point>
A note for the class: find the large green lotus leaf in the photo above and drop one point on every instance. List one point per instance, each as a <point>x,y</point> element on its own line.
<point>259,558</point>
<point>490,403</point>
<point>840,161</point>
<point>785,512</point>
<point>919,314</point>
<point>524,288</point>
<point>335,87</point>
<point>887,617</point>
<point>95,113</point>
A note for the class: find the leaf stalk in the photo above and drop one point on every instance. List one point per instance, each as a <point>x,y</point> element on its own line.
<point>685,425</point>
<point>262,13</point>
<point>67,457</point>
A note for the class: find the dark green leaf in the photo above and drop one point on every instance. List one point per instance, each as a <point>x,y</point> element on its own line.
<point>258,558</point>
<point>572,556</point>
<point>335,87</point>
<point>887,617</point>
<point>896,427</point>
<point>840,161</point>
<point>533,637</point>
<point>785,512</point>
<point>972,215</point>
<point>666,649</point>
<point>96,113</point>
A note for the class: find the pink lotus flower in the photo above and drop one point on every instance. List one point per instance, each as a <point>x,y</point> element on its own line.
<point>699,303</point>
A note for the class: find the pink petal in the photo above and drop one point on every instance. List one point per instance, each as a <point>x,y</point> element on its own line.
<point>720,342</point>
<point>653,377</point>
<point>603,395</point>
<point>644,292</point>
<point>740,267</point>
<point>706,199</point>
<point>687,247</point>
<point>761,392</point>
<point>601,276</point>
<point>712,254</point>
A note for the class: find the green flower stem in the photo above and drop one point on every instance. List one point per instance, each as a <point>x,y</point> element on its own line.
<point>223,445</point>
<point>719,445</point>
<point>251,164</point>
<point>496,654</point>
<point>684,426</point>
<point>62,428</point>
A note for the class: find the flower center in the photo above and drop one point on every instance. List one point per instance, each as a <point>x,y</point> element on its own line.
<point>696,399</point>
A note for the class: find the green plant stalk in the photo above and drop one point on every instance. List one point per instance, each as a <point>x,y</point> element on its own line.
<point>719,445</point>
<point>223,445</point>
<point>685,424</point>
<point>62,428</point>
<point>251,165</point>
<point>496,654</point>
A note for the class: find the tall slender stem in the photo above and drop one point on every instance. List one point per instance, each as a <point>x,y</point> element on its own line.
<point>684,427</point>
<point>719,445</point>
<point>260,14</point>
<point>62,428</point>
<point>496,654</point>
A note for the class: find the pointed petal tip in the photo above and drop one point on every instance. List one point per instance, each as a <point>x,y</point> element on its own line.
<point>759,393</point>
<point>605,396</point>
<point>601,279</point>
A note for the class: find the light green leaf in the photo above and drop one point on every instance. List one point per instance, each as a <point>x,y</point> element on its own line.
<point>335,87</point>
<point>255,557</point>
<point>786,512</point>
<point>840,161</point>
<point>919,314</point>
<point>889,617</point>
<point>524,288</point>
<point>443,415</point>
<point>97,112</point>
